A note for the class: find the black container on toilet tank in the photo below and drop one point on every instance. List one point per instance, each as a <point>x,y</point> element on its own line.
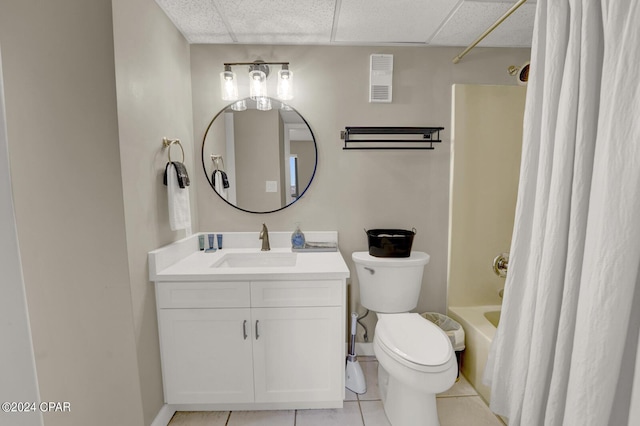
<point>390,242</point>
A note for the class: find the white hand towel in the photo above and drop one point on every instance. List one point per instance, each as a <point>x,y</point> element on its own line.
<point>179,205</point>
<point>219,186</point>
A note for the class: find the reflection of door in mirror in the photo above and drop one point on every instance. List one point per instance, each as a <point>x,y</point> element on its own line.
<point>298,143</point>
<point>293,167</point>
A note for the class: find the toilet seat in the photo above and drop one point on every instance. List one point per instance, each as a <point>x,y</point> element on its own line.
<point>414,342</point>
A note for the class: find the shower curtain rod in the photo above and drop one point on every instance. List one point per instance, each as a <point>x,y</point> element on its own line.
<point>491,28</point>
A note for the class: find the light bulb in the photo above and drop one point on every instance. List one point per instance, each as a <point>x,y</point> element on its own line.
<point>257,84</point>
<point>263,104</point>
<point>285,83</point>
<point>239,106</point>
<point>228,85</point>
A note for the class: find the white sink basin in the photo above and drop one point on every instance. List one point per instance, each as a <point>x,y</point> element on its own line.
<point>256,260</point>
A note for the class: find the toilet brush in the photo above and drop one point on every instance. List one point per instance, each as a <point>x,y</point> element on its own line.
<point>354,377</point>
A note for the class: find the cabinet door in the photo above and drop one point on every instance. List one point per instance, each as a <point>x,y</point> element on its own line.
<point>205,355</point>
<point>298,354</point>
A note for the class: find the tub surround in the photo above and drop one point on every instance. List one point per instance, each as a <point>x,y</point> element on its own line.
<point>242,337</point>
<point>487,146</point>
<point>479,333</point>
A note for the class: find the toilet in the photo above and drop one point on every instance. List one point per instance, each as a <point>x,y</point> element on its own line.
<point>415,357</point>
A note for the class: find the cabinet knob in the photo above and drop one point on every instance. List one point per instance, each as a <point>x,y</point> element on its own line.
<point>257,334</point>
<point>244,329</point>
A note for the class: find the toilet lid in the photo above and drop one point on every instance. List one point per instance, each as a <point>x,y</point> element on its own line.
<point>416,258</point>
<point>413,339</point>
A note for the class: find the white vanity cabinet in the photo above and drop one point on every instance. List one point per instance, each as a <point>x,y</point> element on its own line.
<point>205,357</point>
<point>253,344</point>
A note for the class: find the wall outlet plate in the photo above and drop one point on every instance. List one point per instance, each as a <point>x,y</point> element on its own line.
<point>272,186</point>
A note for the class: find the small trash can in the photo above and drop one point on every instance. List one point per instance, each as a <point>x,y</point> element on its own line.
<point>390,242</point>
<point>453,329</point>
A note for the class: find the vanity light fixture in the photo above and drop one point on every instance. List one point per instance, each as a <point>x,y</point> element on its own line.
<point>258,75</point>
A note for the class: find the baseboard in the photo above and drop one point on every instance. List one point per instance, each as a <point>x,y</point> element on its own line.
<point>261,406</point>
<point>364,349</point>
<point>164,416</point>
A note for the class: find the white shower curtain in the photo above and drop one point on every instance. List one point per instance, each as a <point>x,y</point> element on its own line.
<point>565,350</point>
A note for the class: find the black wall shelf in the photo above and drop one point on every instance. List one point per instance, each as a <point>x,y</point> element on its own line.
<point>390,137</point>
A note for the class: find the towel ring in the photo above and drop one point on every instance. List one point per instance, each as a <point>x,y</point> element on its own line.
<point>167,143</point>
<point>217,159</point>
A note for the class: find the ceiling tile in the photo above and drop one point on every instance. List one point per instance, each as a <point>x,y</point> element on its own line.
<point>197,20</point>
<point>278,21</point>
<point>383,21</point>
<point>435,22</point>
<point>472,18</point>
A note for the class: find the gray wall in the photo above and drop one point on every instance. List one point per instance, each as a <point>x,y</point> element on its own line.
<point>154,101</point>
<point>353,190</point>
<point>260,161</point>
<point>17,364</point>
<point>86,175</point>
<point>60,95</point>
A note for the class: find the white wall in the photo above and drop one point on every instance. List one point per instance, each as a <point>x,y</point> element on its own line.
<point>17,363</point>
<point>62,127</point>
<point>354,190</point>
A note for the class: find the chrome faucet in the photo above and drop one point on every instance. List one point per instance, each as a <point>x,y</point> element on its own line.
<point>264,236</point>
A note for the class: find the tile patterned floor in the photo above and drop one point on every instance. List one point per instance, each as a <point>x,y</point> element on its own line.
<point>459,406</point>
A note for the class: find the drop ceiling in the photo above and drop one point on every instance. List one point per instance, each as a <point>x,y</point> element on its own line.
<point>351,22</point>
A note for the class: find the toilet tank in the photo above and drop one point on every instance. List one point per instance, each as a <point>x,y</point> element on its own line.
<point>390,284</point>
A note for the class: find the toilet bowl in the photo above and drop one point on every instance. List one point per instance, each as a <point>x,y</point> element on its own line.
<point>415,362</point>
<point>415,357</point>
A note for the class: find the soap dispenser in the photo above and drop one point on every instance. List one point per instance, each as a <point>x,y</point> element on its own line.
<point>297,238</point>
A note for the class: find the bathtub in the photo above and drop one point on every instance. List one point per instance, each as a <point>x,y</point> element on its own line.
<point>479,323</point>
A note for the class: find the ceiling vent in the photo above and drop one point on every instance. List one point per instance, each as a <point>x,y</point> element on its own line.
<point>380,78</point>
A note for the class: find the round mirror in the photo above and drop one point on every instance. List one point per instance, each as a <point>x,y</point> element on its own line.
<point>259,156</point>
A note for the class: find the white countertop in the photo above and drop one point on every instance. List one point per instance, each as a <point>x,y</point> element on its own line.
<point>183,261</point>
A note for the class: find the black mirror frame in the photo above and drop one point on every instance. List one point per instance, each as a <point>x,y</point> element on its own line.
<point>204,168</point>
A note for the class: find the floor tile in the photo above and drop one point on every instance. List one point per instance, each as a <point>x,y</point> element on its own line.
<point>347,416</point>
<point>370,370</point>
<point>262,418</point>
<point>367,358</point>
<point>461,388</point>
<point>199,418</point>
<point>373,413</point>
<point>350,396</point>
<point>464,411</point>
